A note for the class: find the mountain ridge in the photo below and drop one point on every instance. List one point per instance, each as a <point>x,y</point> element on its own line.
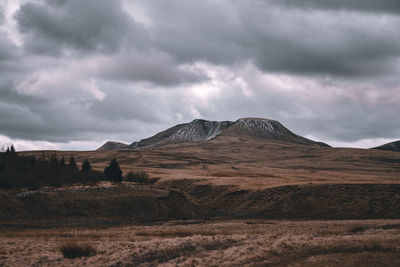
<point>392,146</point>
<point>200,130</point>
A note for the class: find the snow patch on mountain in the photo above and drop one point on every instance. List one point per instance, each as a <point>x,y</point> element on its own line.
<point>199,130</point>
<point>261,126</point>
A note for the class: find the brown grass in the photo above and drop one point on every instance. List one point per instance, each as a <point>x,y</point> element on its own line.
<point>210,243</point>
<point>244,165</point>
<point>219,162</point>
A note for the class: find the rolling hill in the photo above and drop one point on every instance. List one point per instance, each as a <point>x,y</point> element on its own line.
<point>393,146</point>
<point>251,168</point>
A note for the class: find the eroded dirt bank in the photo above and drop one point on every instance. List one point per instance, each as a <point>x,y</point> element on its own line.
<point>184,199</point>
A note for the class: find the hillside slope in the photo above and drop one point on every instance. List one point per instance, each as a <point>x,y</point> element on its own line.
<point>267,129</point>
<point>393,146</point>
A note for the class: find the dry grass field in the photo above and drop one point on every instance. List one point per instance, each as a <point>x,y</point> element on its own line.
<point>225,202</point>
<point>252,163</point>
<point>212,243</point>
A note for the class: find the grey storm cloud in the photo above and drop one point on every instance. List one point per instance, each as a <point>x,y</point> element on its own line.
<point>158,68</point>
<point>1,15</point>
<point>7,50</point>
<point>373,6</point>
<point>83,25</point>
<point>275,38</point>
<point>122,70</point>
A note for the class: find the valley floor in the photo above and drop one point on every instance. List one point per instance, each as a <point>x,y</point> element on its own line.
<point>208,243</point>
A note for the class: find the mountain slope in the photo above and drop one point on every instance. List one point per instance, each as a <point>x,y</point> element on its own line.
<point>393,146</point>
<point>267,129</point>
<point>195,131</point>
<point>203,130</point>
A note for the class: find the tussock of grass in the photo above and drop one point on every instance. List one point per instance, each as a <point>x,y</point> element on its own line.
<point>377,247</point>
<point>77,250</point>
<point>357,229</point>
<point>140,177</point>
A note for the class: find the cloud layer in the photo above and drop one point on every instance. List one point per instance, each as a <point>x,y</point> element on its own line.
<point>87,71</point>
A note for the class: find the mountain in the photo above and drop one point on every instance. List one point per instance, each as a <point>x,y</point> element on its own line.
<point>111,145</point>
<point>393,146</point>
<point>202,130</point>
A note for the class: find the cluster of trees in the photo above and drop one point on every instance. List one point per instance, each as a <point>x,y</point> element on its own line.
<point>29,172</point>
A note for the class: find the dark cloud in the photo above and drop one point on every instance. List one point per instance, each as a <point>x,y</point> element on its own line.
<point>31,118</point>
<point>1,15</point>
<point>83,25</point>
<point>8,50</point>
<point>157,68</point>
<point>275,38</point>
<point>373,6</point>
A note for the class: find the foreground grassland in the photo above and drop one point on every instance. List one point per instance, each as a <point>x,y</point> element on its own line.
<point>208,243</point>
<point>225,202</point>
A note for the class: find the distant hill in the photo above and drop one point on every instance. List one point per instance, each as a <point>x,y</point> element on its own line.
<point>202,130</point>
<point>393,146</point>
<point>111,145</point>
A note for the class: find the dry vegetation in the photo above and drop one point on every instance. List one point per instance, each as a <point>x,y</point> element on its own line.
<point>73,250</point>
<point>225,194</point>
<point>205,243</point>
<point>252,163</point>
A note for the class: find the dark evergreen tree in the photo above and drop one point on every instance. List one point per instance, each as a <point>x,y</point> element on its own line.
<point>32,161</point>
<point>86,167</point>
<point>62,161</point>
<point>54,160</point>
<point>30,172</point>
<point>72,163</point>
<point>12,149</point>
<point>113,172</point>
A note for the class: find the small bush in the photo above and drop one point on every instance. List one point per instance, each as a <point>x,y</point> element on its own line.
<point>140,177</point>
<point>76,250</point>
<point>357,229</point>
<point>379,247</point>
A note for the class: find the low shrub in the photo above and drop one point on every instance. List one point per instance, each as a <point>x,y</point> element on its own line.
<point>377,247</point>
<point>76,250</point>
<point>140,177</point>
<point>357,229</point>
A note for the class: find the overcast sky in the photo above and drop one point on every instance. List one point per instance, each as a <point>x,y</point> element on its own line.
<point>76,73</point>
